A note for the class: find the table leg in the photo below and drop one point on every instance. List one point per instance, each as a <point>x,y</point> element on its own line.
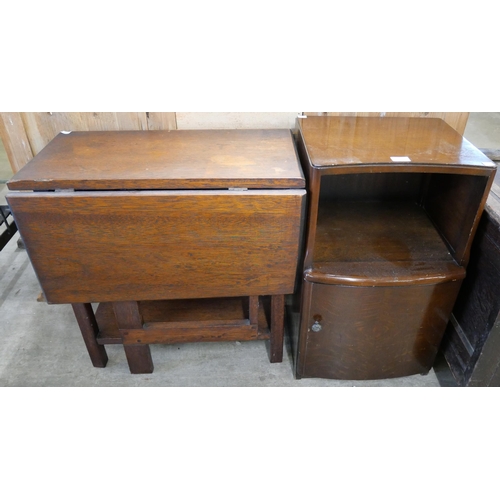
<point>138,356</point>
<point>277,328</point>
<point>253,309</point>
<point>88,326</point>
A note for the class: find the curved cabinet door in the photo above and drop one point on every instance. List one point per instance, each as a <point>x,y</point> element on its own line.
<point>362,333</point>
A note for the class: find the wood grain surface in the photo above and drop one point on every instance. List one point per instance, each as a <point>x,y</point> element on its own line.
<point>373,332</point>
<point>225,310</point>
<point>127,316</point>
<point>89,328</point>
<point>456,120</point>
<point>455,204</point>
<point>151,245</point>
<point>397,232</point>
<point>387,241</point>
<point>182,159</point>
<point>348,140</point>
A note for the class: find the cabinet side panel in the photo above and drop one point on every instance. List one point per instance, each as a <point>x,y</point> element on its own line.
<point>452,202</point>
<point>113,246</point>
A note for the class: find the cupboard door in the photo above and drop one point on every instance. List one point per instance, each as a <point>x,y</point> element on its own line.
<point>358,333</point>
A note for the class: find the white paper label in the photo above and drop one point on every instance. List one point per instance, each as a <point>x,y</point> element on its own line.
<point>400,158</point>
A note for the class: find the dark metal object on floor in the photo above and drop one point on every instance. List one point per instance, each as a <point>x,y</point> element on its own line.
<point>472,341</point>
<point>8,227</point>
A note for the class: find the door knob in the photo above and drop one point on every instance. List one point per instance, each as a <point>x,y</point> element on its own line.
<point>316,327</point>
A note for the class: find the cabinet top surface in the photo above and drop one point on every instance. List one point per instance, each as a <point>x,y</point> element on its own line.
<point>180,159</point>
<point>348,140</point>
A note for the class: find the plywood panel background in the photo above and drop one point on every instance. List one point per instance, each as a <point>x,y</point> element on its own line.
<point>235,120</point>
<point>15,141</point>
<point>41,128</point>
<point>26,134</point>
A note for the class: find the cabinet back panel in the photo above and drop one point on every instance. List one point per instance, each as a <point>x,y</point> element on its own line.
<point>371,187</point>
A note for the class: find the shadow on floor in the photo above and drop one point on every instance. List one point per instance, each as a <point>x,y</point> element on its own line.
<point>443,372</point>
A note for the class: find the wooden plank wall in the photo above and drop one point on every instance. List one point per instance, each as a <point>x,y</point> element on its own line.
<point>26,134</point>
<point>15,140</point>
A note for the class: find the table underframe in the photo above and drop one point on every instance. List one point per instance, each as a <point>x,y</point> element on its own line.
<point>125,323</point>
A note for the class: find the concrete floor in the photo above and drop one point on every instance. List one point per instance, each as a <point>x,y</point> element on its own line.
<point>483,130</point>
<point>40,344</point>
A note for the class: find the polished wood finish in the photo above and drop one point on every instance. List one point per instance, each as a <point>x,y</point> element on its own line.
<point>448,201</point>
<point>373,332</point>
<point>277,328</point>
<point>128,317</point>
<point>191,332</point>
<point>138,324</point>
<point>184,159</point>
<point>341,141</point>
<point>133,217</point>
<point>253,309</point>
<point>378,242</point>
<point>155,245</point>
<point>184,314</point>
<point>85,317</point>
<point>457,121</point>
<point>387,241</point>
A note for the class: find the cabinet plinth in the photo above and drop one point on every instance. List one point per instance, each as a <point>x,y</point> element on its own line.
<point>393,208</point>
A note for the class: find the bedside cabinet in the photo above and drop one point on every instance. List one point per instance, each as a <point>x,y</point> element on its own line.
<point>393,205</point>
